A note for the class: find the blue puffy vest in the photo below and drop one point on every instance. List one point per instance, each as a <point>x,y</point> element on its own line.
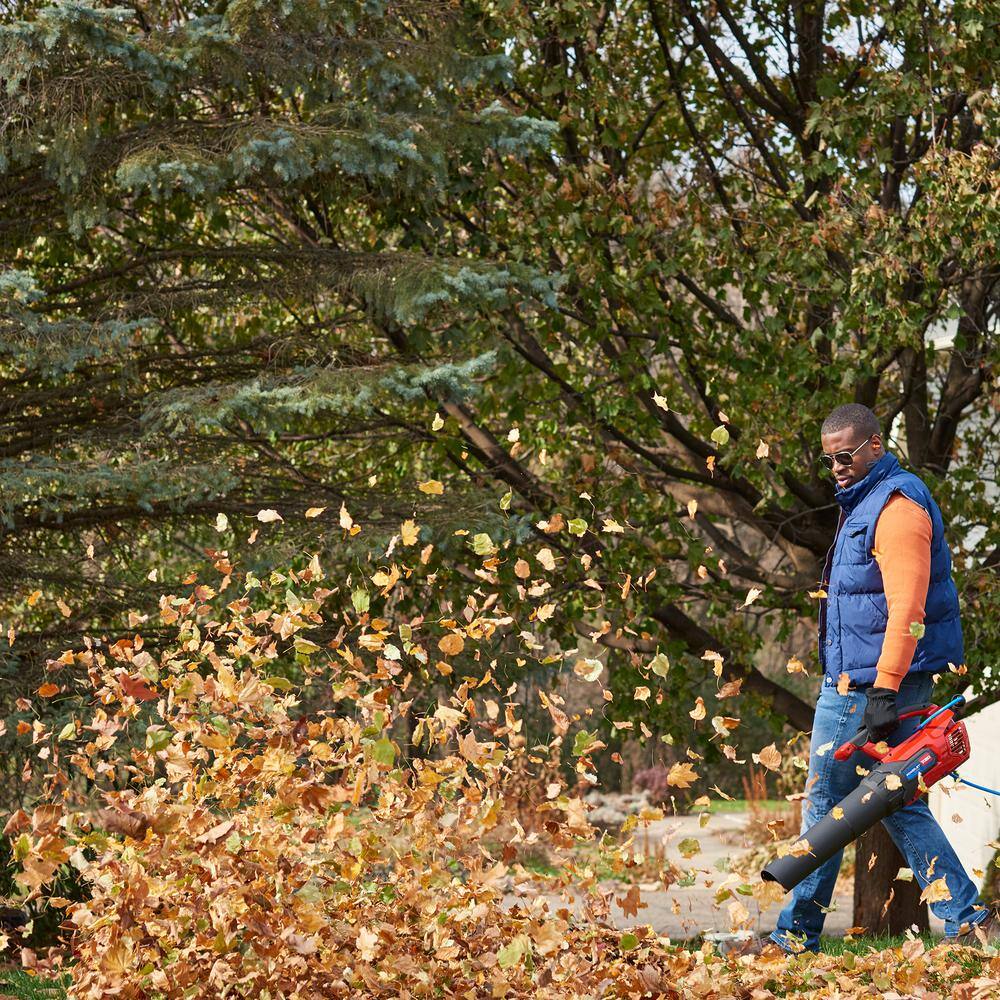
<point>853,616</point>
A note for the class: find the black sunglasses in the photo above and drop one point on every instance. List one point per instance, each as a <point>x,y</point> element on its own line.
<point>842,457</point>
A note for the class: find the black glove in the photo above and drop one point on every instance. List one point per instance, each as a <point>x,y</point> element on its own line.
<point>881,713</point>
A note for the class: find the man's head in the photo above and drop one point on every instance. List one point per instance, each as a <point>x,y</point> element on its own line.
<point>851,428</point>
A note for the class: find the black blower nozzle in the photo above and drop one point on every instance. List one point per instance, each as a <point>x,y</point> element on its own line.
<point>867,805</point>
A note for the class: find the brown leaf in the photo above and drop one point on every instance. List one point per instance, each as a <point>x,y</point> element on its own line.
<point>451,644</point>
<point>128,824</point>
<point>136,688</point>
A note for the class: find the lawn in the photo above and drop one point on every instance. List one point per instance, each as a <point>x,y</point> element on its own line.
<point>18,983</point>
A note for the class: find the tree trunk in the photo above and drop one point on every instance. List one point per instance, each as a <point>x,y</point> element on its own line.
<point>878,862</point>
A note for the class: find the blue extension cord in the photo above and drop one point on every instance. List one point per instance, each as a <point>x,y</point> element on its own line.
<point>965,781</point>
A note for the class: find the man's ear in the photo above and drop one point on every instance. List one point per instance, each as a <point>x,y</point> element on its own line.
<point>877,442</point>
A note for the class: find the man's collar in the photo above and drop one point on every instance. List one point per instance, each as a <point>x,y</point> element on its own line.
<point>849,498</point>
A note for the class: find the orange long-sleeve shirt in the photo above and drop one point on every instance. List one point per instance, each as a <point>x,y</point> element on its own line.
<point>903,553</point>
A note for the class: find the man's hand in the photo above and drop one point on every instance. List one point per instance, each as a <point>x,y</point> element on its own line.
<point>881,713</point>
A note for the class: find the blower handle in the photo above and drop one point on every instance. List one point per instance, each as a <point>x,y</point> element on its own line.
<point>860,741</point>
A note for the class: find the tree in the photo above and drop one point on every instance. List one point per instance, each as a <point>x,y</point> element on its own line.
<point>752,214</point>
<point>208,205</point>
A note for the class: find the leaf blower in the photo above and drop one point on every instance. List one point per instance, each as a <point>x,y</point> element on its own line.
<point>939,745</point>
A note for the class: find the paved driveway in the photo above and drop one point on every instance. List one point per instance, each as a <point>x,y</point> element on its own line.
<point>684,911</point>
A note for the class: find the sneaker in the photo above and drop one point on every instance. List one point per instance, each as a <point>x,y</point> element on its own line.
<point>761,946</point>
<point>985,933</point>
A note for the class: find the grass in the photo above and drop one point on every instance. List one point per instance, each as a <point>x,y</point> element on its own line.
<point>869,942</point>
<point>18,983</point>
<point>742,805</point>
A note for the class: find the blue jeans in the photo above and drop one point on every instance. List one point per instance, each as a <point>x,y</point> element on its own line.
<point>914,830</point>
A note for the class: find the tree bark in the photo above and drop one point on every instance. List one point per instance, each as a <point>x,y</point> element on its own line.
<point>878,861</point>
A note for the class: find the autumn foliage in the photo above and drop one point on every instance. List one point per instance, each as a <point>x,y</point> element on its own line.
<point>240,835</point>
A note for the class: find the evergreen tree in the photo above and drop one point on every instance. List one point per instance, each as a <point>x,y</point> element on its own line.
<point>211,219</point>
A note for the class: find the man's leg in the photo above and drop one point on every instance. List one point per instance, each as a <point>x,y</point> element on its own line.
<point>922,841</point>
<point>837,718</point>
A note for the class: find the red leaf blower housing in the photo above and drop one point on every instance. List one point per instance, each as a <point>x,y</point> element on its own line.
<point>902,773</point>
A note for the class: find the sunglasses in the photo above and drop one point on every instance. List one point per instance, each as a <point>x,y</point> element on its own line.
<point>842,457</point>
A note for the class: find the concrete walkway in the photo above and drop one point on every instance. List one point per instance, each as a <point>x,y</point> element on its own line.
<point>685,911</point>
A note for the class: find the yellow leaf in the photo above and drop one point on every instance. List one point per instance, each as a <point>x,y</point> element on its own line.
<point>33,598</point>
<point>641,694</point>
<point>64,608</point>
<point>267,515</point>
<point>611,526</point>
<point>432,487</point>
<point>409,532</point>
<point>346,521</point>
<point>936,892</point>
<point>795,666</point>
<point>698,712</point>
<point>660,401</point>
<point>315,511</point>
<point>48,690</point>
<point>681,775</point>
<point>752,594</point>
<point>692,508</point>
<point>546,558</point>
<point>763,449</point>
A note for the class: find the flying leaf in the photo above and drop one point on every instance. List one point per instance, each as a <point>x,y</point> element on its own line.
<point>795,666</point>
<point>698,712</point>
<point>437,423</point>
<point>315,511</point>
<point>588,669</point>
<point>752,594</point>
<point>48,690</point>
<point>451,644</point>
<point>611,526</point>
<point>641,694</point>
<point>689,847</point>
<point>763,449</point>
<point>681,775</point>
<point>432,487</point>
<point>660,665</point>
<point>936,892</point>
<point>409,532</point>
<point>483,545</point>
<point>267,515</point>
<point>660,401</point>
<point>577,526</point>
<point>917,630</point>
<point>770,757</point>
<point>692,508</point>
<point>720,435</point>
<point>546,558</point>
<point>346,521</point>
<point>221,522</point>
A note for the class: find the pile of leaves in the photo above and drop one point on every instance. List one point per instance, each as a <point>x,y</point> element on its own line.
<point>236,846</point>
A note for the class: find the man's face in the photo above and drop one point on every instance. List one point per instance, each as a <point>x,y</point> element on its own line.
<point>848,440</point>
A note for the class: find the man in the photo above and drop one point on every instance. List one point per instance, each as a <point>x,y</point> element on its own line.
<point>889,622</point>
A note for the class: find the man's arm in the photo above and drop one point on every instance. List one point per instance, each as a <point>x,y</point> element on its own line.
<point>903,553</point>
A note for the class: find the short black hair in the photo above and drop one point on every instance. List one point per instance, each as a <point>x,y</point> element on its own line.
<point>855,416</point>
